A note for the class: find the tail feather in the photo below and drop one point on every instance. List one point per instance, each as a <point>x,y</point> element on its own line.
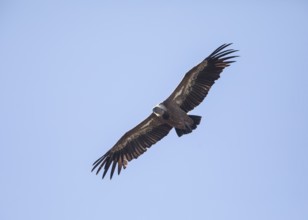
<point>196,119</point>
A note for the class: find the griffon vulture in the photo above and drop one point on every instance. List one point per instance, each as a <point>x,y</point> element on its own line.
<point>171,113</point>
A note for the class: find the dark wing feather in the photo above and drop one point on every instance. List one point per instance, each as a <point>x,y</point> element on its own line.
<point>197,82</point>
<point>132,144</point>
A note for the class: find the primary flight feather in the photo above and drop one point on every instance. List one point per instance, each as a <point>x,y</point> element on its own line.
<point>171,113</point>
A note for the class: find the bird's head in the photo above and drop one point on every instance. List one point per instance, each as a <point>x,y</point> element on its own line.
<point>161,111</point>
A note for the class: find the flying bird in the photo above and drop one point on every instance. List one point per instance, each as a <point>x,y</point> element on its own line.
<point>171,113</point>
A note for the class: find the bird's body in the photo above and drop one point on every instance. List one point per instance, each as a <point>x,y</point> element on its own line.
<point>172,113</point>
<point>174,116</point>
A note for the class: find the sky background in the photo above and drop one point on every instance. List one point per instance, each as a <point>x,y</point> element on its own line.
<point>76,75</point>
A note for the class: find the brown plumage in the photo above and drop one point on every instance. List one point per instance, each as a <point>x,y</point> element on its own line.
<point>172,113</point>
<point>197,82</point>
<point>132,144</point>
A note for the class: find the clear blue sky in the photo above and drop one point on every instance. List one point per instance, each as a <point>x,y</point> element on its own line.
<point>76,75</point>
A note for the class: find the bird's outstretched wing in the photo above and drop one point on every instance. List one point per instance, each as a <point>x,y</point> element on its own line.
<point>132,144</point>
<point>197,82</point>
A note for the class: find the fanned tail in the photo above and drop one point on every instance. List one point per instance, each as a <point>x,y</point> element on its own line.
<point>189,129</point>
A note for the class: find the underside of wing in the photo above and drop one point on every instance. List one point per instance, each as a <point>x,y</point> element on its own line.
<point>197,82</point>
<point>132,144</point>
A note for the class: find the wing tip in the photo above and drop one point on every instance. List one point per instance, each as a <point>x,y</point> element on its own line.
<point>220,54</point>
<point>109,160</point>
